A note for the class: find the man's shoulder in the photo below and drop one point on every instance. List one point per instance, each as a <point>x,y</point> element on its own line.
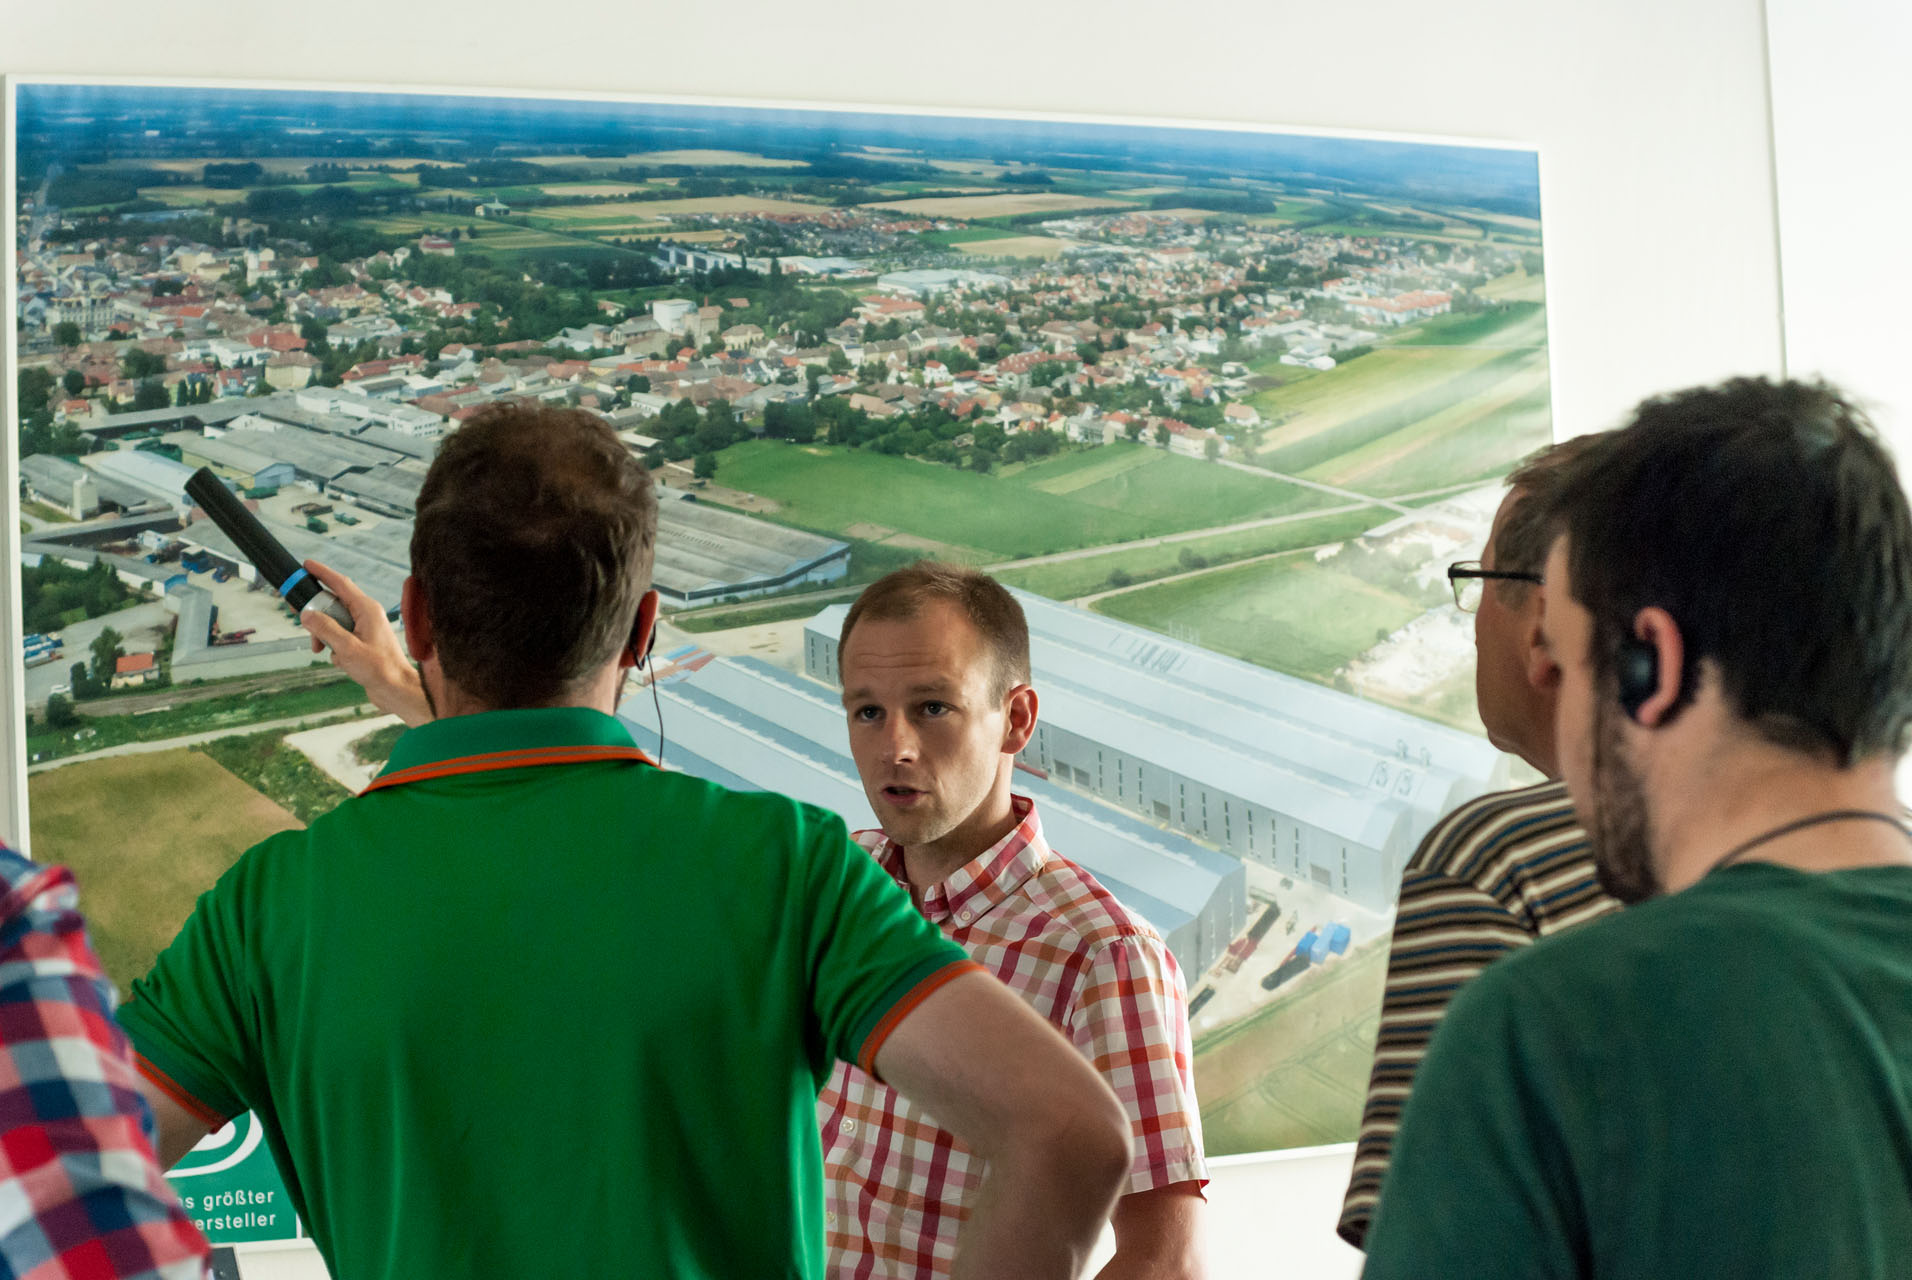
<point>1478,842</point>
<point>1081,912</point>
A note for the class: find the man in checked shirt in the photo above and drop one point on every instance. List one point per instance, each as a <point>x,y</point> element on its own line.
<point>935,667</point>
<point>80,1192</point>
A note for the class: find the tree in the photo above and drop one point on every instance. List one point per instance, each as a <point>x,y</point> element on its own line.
<point>74,381</point>
<point>60,713</point>
<point>1161,434</point>
<point>705,466</point>
<point>1211,449</point>
<point>637,383</point>
<point>106,653</point>
<point>82,681</point>
<point>1134,429</point>
<point>142,364</point>
<point>67,333</point>
<point>151,394</point>
<point>839,362</point>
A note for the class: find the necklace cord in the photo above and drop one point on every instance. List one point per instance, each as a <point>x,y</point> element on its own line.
<point>1799,824</point>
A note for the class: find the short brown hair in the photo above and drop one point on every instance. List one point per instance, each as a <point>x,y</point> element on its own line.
<point>1527,534</point>
<point>987,604</point>
<point>532,546</point>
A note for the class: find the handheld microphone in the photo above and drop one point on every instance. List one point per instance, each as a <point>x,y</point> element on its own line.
<point>267,554</point>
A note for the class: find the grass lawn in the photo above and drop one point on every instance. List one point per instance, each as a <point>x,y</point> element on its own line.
<point>284,775</point>
<point>1476,439</point>
<point>232,711</point>
<point>964,235</point>
<point>1067,579</point>
<point>1157,485</point>
<point>1519,324</point>
<point>834,490</point>
<point>1295,1074</point>
<point>1385,391</point>
<point>1515,286</point>
<point>1289,614</point>
<point>145,835</point>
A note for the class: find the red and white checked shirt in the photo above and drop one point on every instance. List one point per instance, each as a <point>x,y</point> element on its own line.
<point>896,1187</point>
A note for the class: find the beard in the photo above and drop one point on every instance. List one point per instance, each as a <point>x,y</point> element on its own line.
<point>1618,827</point>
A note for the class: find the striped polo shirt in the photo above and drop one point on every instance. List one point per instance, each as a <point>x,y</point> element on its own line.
<point>1496,874</point>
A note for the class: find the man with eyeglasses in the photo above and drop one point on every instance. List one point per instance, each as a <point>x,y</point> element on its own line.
<point>1502,870</point>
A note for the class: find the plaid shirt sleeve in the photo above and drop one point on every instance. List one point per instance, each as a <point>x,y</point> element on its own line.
<point>1131,1022</point>
<point>81,1194</point>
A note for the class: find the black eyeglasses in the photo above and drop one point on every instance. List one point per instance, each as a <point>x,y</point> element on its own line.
<point>1467,577</point>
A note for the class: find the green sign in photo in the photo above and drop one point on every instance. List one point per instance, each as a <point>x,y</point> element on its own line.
<point>232,1189</point>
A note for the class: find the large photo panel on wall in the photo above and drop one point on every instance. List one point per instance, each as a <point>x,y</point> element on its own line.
<point>1220,403</point>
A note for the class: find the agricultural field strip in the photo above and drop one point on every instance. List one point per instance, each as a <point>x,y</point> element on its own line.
<point>1166,580</point>
<point>1361,462</point>
<point>1335,490</point>
<point>1167,539</point>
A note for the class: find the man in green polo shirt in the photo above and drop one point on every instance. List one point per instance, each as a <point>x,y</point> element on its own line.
<point>532,1006</point>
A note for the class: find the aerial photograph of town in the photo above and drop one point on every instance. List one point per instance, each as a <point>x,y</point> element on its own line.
<point>1220,405</point>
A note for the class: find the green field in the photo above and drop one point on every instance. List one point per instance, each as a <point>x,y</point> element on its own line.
<point>844,491</point>
<point>1290,614</point>
<point>964,235</point>
<point>1478,438</point>
<point>1519,324</point>
<point>1067,579</point>
<point>145,835</point>
<point>1390,390</point>
<point>282,774</point>
<point>1296,1073</point>
<point>229,712</point>
<point>1515,286</point>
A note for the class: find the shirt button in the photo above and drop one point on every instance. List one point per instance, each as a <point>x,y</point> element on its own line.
<point>848,1126</point>
<point>830,1218</point>
<point>965,915</point>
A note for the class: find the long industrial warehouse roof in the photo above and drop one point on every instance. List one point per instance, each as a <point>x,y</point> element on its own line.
<point>1327,758</point>
<point>700,548</point>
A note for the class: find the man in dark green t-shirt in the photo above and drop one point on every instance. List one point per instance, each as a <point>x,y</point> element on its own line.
<point>531,1005</point>
<point>1717,1081</point>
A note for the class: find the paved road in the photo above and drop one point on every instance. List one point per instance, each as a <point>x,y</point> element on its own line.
<point>191,739</point>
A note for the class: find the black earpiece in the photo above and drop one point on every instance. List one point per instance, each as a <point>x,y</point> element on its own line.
<point>1637,671</point>
<point>639,659</point>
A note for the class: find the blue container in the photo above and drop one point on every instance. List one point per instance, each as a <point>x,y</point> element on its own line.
<point>1338,937</point>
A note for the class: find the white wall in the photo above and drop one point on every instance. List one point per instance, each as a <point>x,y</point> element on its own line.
<point>1657,183</point>
<point>1842,106</point>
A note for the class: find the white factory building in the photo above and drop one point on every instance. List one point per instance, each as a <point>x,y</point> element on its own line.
<point>1317,784</point>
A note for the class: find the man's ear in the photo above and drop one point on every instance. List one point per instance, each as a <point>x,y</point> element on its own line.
<point>643,631</point>
<point>1021,719</point>
<point>1538,663</point>
<point>417,619</point>
<point>1654,627</point>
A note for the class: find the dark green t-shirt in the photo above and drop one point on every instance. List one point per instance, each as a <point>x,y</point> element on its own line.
<point>536,1009</point>
<point>1714,1083</point>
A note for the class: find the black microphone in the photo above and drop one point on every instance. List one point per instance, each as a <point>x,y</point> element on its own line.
<point>267,554</point>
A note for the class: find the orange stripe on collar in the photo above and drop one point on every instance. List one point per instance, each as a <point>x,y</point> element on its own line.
<point>520,759</point>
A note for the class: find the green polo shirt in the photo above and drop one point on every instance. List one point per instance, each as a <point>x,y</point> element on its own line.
<point>531,1006</point>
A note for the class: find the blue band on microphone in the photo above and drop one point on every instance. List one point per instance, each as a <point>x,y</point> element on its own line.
<point>285,588</point>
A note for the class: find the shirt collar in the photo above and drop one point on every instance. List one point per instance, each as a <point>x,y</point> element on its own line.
<point>497,734</point>
<point>976,887</point>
